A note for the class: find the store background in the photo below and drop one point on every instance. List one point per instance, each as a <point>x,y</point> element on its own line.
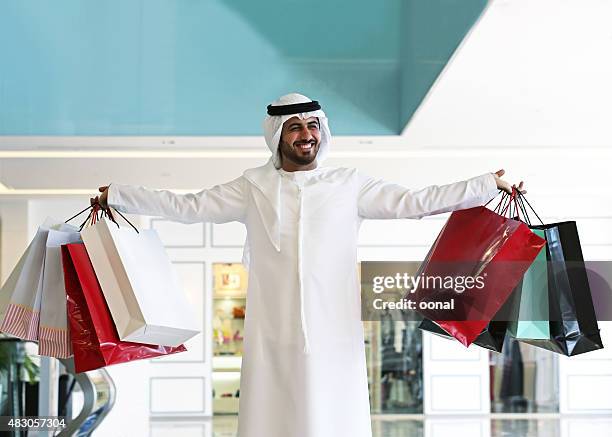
<point>171,94</point>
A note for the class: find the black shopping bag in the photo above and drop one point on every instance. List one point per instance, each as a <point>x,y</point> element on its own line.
<point>573,323</point>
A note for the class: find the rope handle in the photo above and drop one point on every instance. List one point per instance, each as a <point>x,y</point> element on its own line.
<point>522,198</point>
<point>509,203</point>
<point>504,194</point>
<point>96,213</point>
<point>514,203</point>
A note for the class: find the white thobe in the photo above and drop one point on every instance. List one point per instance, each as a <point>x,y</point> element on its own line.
<point>303,367</point>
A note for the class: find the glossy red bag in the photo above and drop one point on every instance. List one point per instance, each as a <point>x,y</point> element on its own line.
<point>93,335</point>
<point>477,242</point>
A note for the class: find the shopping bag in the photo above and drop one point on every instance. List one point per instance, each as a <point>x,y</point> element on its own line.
<point>94,338</point>
<point>492,336</point>
<point>140,284</point>
<point>573,323</point>
<point>10,284</point>
<point>531,319</point>
<point>53,335</point>
<point>22,314</point>
<point>476,242</point>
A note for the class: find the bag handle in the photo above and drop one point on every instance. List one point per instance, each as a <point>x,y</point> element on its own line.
<point>510,204</point>
<point>518,210</point>
<point>521,205</point>
<point>78,214</point>
<point>96,212</point>
<point>108,212</point>
<point>504,194</point>
<point>500,191</point>
<point>517,198</point>
<point>522,198</point>
<point>89,218</point>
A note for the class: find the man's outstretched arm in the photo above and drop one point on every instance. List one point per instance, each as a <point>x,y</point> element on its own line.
<point>219,204</point>
<point>379,199</point>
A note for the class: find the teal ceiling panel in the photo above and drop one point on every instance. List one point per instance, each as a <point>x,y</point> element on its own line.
<point>209,67</point>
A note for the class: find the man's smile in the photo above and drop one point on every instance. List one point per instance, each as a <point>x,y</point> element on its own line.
<point>305,147</point>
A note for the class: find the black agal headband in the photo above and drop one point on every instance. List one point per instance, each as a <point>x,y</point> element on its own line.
<point>296,108</point>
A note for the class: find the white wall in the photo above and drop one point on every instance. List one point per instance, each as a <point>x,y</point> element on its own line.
<point>531,73</point>
<point>13,234</point>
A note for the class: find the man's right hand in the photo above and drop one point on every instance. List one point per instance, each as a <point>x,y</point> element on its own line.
<point>102,198</point>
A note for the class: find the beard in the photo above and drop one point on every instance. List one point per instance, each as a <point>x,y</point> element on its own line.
<point>294,154</point>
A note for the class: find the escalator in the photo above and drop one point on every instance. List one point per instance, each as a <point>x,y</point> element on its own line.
<point>98,393</point>
<point>91,393</point>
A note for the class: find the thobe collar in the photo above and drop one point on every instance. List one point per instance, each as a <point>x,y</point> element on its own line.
<point>267,181</point>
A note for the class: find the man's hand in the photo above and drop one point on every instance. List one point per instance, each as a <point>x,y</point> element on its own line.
<point>102,198</point>
<point>504,185</point>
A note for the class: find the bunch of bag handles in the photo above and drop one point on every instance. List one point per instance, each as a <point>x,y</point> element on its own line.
<point>513,205</point>
<point>96,213</point>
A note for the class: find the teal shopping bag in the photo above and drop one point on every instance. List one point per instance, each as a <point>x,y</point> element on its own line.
<point>532,314</point>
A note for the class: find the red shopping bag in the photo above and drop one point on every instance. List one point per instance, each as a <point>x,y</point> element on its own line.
<point>93,335</point>
<point>476,242</point>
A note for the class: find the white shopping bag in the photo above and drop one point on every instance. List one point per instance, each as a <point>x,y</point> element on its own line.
<point>139,284</point>
<point>21,317</point>
<point>53,333</point>
<point>6,292</point>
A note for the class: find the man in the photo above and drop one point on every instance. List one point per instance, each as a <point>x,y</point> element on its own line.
<point>303,367</point>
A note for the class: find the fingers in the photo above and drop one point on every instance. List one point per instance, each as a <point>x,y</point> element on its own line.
<point>506,186</point>
<point>520,188</point>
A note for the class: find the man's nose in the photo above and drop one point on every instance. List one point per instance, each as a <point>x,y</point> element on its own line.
<point>305,135</point>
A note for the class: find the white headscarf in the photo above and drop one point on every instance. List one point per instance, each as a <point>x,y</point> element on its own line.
<point>273,125</point>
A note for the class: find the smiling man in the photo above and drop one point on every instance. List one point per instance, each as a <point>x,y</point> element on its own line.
<point>299,143</point>
<point>304,367</point>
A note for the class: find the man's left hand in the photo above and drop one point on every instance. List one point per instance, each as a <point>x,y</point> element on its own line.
<point>504,185</point>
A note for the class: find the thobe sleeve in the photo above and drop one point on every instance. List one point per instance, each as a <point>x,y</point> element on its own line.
<point>219,204</point>
<point>379,199</point>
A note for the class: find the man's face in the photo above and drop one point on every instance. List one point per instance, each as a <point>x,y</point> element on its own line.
<point>300,140</point>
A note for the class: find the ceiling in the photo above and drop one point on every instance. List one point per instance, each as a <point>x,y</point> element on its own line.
<point>496,104</point>
<point>201,68</point>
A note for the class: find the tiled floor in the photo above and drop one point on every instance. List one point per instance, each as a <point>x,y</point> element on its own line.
<point>571,426</point>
